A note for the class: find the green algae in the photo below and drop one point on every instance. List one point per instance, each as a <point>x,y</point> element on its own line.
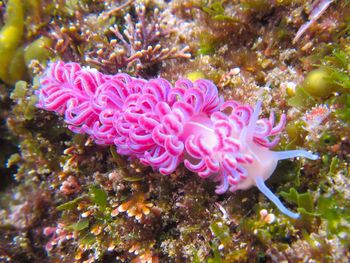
<point>331,76</point>
<point>70,205</point>
<point>38,50</point>
<point>304,201</point>
<point>216,11</point>
<point>17,69</point>
<point>98,196</point>
<point>20,94</point>
<point>195,75</point>
<point>316,83</point>
<point>15,54</point>
<point>10,37</point>
<point>79,226</point>
<point>207,44</point>
<point>301,99</point>
<point>221,231</point>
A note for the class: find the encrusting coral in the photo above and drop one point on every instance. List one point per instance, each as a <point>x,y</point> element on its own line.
<point>164,126</point>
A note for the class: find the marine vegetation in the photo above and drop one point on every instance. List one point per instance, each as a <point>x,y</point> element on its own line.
<point>139,100</point>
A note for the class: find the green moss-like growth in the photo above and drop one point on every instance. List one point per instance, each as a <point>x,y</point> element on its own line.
<point>301,99</point>
<point>38,50</point>
<point>16,48</point>
<point>317,85</point>
<point>338,66</point>
<point>10,37</point>
<point>296,133</point>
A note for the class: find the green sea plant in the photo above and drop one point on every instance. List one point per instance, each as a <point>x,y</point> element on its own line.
<point>10,39</point>
<point>317,85</point>
<point>37,50</point>
<point>216,10</point>
<point>25,103</point>
<point>17,49</point>
<point>337,67</point>
<point>256,5</point>
<point>304,201</point>
<point>331,208</point>
<point>332,75</point>
<point>95,222</point>
<point>301,99</point>
<point>207,44</point>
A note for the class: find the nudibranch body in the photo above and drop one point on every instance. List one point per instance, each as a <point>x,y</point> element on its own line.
<point>165,125</point>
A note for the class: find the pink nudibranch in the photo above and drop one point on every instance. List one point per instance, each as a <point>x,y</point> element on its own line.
<point>165,125</point>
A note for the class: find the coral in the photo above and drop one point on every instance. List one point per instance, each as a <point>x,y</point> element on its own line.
<point>137,46</point>
<point>156,123</point>
<point>70,33</point>
<point>136,207</point>
<point>143,255</point>
<point>138,43</point>
<point>85,219</point>
<point>70,186</point>
<point>58,236</point>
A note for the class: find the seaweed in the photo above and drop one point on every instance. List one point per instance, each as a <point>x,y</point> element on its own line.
<point>63,198</point>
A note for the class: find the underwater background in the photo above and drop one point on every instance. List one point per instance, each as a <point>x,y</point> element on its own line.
<point>63,198</point>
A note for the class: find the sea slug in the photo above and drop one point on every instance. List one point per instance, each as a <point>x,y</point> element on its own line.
<point>165,125</point>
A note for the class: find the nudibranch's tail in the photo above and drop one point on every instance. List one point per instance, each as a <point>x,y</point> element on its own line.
<point>267,192</point>
<point>295,153</point>
<point>270,195</point>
